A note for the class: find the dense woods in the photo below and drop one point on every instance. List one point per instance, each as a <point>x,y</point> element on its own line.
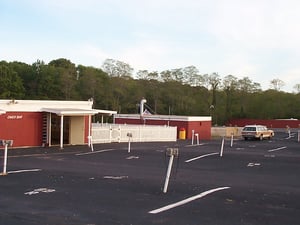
<point>181,91</point>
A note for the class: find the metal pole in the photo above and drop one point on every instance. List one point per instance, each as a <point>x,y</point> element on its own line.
<point>298,135</point>
<point>89,126</point>
<point>168,173</point>
<point>49,130</point>
<point>128,145</point>
<point>91,143</point>
<point>222,147</point>
<point>231,142</point>
<point>5,159</point>
<point>61,131</point>
<point>193,137</point>
<point>197,138</point>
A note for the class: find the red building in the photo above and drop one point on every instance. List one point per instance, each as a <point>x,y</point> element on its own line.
<point>200,125</point>
<point>40,123</point>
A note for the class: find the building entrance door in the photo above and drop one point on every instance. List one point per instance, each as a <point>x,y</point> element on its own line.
<point>55,129</point>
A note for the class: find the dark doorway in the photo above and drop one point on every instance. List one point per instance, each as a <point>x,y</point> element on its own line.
<point>55,129</point>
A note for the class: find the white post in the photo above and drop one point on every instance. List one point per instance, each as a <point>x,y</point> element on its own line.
<point>5,159</point>
<point>49,130</point>
<point>222,147</point>
<point>90,143</point>
<point>61,131</point>
<point>193,137</point>
<point>197,138</point>
<point>168,173</point>
<point>89,126</point>
<point>298,135</point>
<point>231,142</point>
<point>129,145</point>
<point>129,135</point>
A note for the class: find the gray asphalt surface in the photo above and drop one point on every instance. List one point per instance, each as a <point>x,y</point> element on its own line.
<point>253,183</point>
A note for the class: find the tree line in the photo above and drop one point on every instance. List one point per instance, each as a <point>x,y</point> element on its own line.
<point>182,91</point>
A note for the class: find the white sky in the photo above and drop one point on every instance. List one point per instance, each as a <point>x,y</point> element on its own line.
<point>259,39</point>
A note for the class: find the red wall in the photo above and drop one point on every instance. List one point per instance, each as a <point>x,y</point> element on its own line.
<point>203,128</point>
<point>24,128</point>
<point>268,123</point>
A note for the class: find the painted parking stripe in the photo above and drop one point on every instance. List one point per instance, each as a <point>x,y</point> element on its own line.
<point>277,149</point>
<point>24,171</point>
<point>201,156</point>
<point>115,177</point>
<point>100,151</point>
<point>185,201</point>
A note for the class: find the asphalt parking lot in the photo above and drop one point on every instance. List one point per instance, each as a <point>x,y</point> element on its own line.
<point>253,183</point>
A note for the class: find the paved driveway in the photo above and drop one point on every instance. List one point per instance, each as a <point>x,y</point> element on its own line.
<point>254,182</point>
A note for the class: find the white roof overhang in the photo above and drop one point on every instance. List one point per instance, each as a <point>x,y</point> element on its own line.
<point>70,111</point>
<point>106,112</point>
<point>77,112</point>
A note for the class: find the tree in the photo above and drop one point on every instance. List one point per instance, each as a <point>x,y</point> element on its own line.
<point>191,76</point>
<point>26,73</point>
<point>177,75</point>
<point>153,75</point>
<point>142,74</point>
<point>276,84</point>
<point>11,85</point>
<point>68,75</point>
<point>214,80</point>
<point>246,85</point>
<point>297,88</point>
<point>230,84</point>
<point>166,75</point>
<point>115,68</point>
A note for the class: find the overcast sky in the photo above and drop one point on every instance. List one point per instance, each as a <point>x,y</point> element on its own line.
<point>259,39</point>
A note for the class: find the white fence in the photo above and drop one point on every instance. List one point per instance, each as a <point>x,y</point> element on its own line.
<point>107,133</point>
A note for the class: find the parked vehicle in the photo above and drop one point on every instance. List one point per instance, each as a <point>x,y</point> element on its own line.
<point>257,132</point>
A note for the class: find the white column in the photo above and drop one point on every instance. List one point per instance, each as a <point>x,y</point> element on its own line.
<point>49,130</point>
<point>90,123</point>
<point>61,131</point>
<point>5,159</point>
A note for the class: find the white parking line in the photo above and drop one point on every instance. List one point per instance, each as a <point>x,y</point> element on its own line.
<point>277,149</point>
<point>185,201</point>
<point>115,177</point>
<point>24,171</point>
<point>201,156</point>
<point>100,151</point>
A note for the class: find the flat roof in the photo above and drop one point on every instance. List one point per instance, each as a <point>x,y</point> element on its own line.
<point>163,117</point>
<point>77,112</point>
<point>59,107</point>
<point>70,111</point>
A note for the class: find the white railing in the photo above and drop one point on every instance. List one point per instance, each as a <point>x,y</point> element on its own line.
<point>107,133</point>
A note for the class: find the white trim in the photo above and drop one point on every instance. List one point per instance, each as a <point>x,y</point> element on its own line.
<point>70,112</point>
<point>38,105</point>
<point>105,112</point>
<point>163,117</point>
